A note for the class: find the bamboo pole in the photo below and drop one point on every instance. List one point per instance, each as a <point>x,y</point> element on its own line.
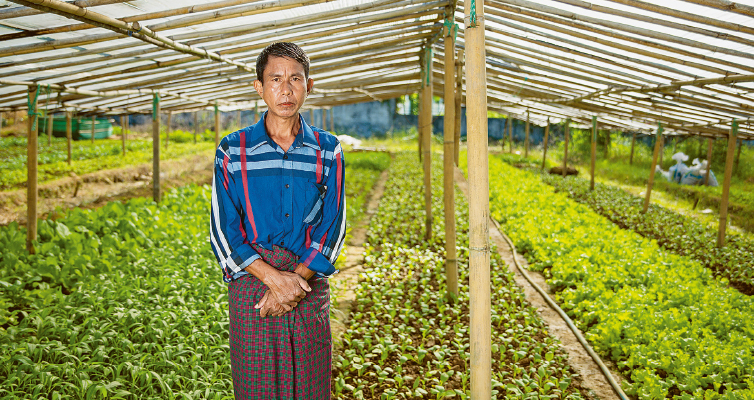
<point>662,152</point>
<point>594,149</point>
<point>458,101</point>
<point>17,12</point>
<point>31,168</point>
<point>526,139</point>
<point>726,5</point>
<point>1,121</point>
<point>655,155</point>
<point>726,184</point>
<point>123,135</point>
<point>479,212</point>
<point>217,126</point>
<point>738,155</point>
<point>196,125</point>
<point>167,129</point>
<point>425,126</point>
<point>94,124</point>
<point>156,194</point>
<point>565,148</point>
<point>451,262</point>
<point>709,161</point>
<point>68,135</point>
<point>547,134</point>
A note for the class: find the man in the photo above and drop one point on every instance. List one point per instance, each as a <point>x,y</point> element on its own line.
<point>278,225</point>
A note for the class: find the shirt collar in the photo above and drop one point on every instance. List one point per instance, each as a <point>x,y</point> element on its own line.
<point>259,134</point>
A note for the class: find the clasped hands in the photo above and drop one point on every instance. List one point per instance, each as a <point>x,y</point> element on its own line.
<point>285,291</point>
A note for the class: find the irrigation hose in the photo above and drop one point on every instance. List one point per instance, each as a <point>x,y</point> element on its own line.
<point>566,318</point>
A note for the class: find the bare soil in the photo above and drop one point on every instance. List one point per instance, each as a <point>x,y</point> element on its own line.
<point>592,378</point>
<point>95,189</point>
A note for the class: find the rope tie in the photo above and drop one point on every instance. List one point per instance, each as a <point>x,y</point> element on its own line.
<point>472,17</point>
<point>155,102</point>
<point>31,106</point>
<point>451,28</point>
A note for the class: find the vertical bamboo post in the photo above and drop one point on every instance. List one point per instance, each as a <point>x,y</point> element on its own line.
<point>156,148</point>
<point>547,134</point>
<point>419,131</point>
<point>655,155</point>
<point>479,210</point>
<point>123,134</point>
<point>68,135</point>
<point>196,125</point>
<point>1,121</point>
<point>633,142</point>
<point>425,126</point>
<point>31,169</point>
<point>332,121</point>
<point>726,183</point>
<point>94,124</point>
<point>565,148</point>
<point>49,129</point>
<point>662,152</point>
<point>738,155</point>
<point>709,161</point>
<point>167,128</point>
<point>594,149</point>
<point>526,139</point>
<point>217,126</point>
<point>509,125</point>
<point>458,101</point>
<point>448,158</point>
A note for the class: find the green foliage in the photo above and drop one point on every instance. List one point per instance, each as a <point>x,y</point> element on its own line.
<point>672,327</point>
<point>406,340</point>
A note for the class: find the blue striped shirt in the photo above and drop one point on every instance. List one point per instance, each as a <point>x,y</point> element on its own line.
<point>264,195</point>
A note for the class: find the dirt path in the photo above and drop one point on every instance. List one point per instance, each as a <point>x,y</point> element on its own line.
<point>578,358</point>
<point>100,187</point>
<point>345,281</point>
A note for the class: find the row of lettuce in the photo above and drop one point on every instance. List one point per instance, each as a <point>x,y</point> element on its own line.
<point>407,340</point>
<point>672,327</point>
<point>125,301</point>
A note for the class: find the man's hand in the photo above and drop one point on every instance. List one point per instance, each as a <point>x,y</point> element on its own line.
<point>269,306</point>
<point>287,288</point>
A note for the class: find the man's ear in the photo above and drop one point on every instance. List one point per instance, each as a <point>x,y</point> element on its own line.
<point>309,86</point>
<point>258,86</point>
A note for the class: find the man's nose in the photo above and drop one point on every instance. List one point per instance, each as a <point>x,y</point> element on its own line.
<point>287,87</point>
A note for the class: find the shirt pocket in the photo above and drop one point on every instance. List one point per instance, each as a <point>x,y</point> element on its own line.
<point>316,195</point>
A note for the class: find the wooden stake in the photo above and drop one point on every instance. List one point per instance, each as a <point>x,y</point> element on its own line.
<point>217,126</point>
<point>123,134</point>
<point>479,211</point>
<point>594,149</point>
<point>565,148</point>
<point>451,263</point>
<point>726,184</point>
<point>709,161</point>
<point>633,142</point>
<point>655,156</point>
<point>196,125</point>
<point>68,134</point>
<point>94,124</point>
<point>156,194</point>
<point>31,168</point>
<point>547,134</point>
<point>425,126</point>
<point>458,100</point>
<point>49,129</point>
<point>526,140</point>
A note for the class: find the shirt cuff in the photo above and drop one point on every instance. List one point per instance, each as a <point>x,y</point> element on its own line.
<point>315,261</point>
<point>240,258</point>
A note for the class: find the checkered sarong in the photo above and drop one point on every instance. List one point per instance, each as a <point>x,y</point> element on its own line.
<point>286,357</point>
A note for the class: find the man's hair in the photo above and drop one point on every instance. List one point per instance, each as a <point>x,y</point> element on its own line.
<point>282,49</point>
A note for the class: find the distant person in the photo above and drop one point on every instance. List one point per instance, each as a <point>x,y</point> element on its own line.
<point>278,225</point>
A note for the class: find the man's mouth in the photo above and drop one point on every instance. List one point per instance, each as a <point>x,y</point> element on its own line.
<point>287,104</point>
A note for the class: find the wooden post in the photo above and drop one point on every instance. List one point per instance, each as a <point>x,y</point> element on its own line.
<point>709,161</point>
<point>594,149</point>
<point>31,168</point>
<point>738,155</point>
<point>196,125</point>
<point>419,130</point>
<point>726,183</point>
<point>217,126</point>
<point>451,263</point>
<point>332,121</point>
<point>156,148</point>
<point>526,139</point>
<point>167,128</point>
<point>565,148</point>
<point>547,134</point>
<point>658,148</point>
<point>425,126</point>
<point>49,129</point>
<point>633,142</point>
<point>68,134</point>
<point>479,210</point>
<point>123,134</point>
<point>458,100</point>
<point>94,124</point>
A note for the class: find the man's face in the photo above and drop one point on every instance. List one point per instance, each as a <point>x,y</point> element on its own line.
<point>285,86</point>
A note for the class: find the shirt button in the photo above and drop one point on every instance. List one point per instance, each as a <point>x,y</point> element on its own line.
<point>287,215</point>
<point>282,243</point>
<point>287,186</point>
<point>285,157</point>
